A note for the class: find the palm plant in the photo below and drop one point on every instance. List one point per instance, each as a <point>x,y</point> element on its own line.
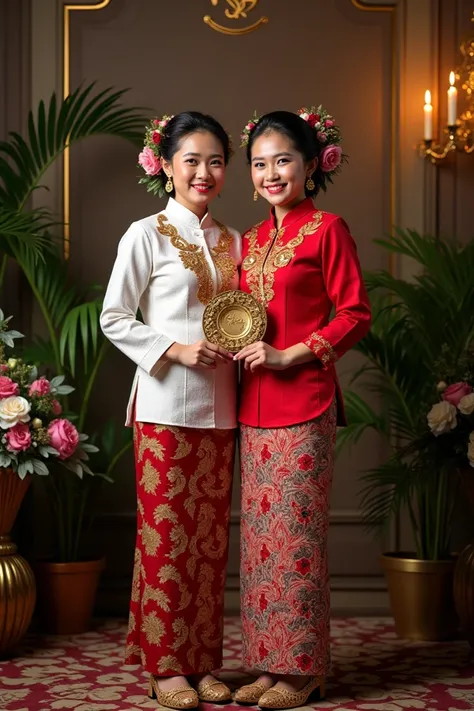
<point>417,326</point>
<point>74,344</point>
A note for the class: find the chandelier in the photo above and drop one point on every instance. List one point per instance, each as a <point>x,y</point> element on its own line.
<point>459,132</point>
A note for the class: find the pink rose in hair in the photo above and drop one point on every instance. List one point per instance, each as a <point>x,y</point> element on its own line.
<point>156,122</point>
<point>330,158</point>
<point>250,125</point>
<point>454,393</point>
<point>156,137</point>
<point>149,162</point>
<point>39,387</point>
<point>64,437</point>
<point>322,136</point>
<point>8,387</point>
<point>329,123</point>
<point>57,409</point>
<point>18,438</point>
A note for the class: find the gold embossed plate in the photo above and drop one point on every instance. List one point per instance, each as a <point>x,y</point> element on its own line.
<point>234,319</point>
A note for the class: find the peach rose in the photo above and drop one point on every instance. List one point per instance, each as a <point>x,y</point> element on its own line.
<point>454,393</point>
<point>39,387</point>
<point>64,437</point>
<point>330,158</point>
<point>13,410</point>
<point>8,387</point>
<point>18,438</point>
<point>470,449</point>
<point>466,404</point>
<point>149,162</point>
<point>442,418</point>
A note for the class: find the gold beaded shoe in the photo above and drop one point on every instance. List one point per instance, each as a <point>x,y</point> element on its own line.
<point>214,691</point>
<point>182,697</point>
<point>250,693</point>
<point>283,699</point>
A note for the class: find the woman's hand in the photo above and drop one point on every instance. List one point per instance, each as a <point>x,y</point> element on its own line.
<point>199,355</point>
<point>260,354</point>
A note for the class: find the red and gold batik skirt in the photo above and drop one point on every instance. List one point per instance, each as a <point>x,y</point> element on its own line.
<point>184,480</point>
<point>285,599</point>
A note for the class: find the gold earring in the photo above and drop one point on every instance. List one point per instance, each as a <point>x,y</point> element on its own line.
<point>169,184</point>
<point>255,195</point>
<point>310,184</point>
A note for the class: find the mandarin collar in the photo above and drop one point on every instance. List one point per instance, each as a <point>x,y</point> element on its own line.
<point>178,212</point>
<point>303,208</point>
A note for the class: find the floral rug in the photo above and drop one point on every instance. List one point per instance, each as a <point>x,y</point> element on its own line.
<point>373,670</point>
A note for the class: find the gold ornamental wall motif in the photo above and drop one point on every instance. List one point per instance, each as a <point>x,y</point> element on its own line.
<point>235,10</point>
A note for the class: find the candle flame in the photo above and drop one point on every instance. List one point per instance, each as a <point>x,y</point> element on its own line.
<point>427,97</point>
<point>451,78</point>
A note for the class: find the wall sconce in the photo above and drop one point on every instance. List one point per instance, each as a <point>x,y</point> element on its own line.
<point>459,133</point>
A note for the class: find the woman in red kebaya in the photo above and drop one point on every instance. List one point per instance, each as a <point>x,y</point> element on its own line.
<point>300,263</point>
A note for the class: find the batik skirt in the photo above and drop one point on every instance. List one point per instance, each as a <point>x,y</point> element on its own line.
<point>183,499</point>
<point>285,599</point>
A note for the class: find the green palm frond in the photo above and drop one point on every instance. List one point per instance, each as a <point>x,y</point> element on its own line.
<point>54,128</point>
<point>25,229</point>
<point>80,335</point>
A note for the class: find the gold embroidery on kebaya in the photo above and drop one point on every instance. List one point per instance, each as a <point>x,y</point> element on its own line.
<point>158,596</point>
<point>193,257</point>
<point>330,356</point>
<point>136,575</point>
<point>148,443</point>
<point>207,453</point>
<point>179,538</point>
<point>164,512</point>
<point>169,572</point>
<point>263,261</point>
<point>205,614</point>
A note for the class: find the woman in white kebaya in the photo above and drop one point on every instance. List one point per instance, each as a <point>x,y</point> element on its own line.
<point>182,407</point>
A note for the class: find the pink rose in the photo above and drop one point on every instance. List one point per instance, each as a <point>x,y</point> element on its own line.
<point>156,122</point>
<point>330,158</point>
<point>329,123</point>
<point>18,438</point>
<point>64,437</point>
<point>322,136</point>
<point>8,387</point>
<point>149,162</point>
<point>3,368</point>
<point>57,409</point>
<point>156,137</point>
<point>250,125</point>
<point>39,387</point>
<point>454,393</point>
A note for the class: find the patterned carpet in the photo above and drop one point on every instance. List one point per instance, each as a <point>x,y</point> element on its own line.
<point>373,671</point>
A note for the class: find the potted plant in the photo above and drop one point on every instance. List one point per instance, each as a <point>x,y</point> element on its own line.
<point>421,327</point>
<point>34,434</point>
<point>71,344</point>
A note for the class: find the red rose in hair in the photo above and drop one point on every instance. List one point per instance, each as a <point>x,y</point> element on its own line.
<point>156,137</point>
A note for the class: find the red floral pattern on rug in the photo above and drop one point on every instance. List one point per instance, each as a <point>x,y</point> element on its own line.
<point>373,670</point>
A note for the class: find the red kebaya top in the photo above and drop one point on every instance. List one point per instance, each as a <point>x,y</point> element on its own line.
<point>300,272</point>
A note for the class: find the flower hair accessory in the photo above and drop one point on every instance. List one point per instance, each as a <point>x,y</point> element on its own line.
<point>244,136</point>
<point>150,157</point>
<point>329,135</point>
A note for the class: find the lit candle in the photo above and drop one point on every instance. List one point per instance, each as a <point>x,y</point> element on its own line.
<point>452,101</point>
<point>428,110</point>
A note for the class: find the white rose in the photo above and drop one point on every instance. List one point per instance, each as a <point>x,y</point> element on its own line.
<point>304,116</point>
<point>13,409</point>
<point>466,404</point>
<point>442,418</point>
<point>470,449</point>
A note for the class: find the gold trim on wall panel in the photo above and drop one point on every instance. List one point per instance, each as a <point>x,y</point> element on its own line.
<point>392,9</point>
<point>70,7</point>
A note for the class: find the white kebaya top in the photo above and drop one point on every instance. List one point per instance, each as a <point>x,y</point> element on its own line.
<point>170,266</point>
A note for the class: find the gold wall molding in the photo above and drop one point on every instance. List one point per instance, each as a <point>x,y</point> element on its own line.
<point>67,10</point>
<point>239,10</point>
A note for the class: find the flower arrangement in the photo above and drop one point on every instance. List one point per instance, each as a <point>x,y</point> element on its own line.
<point>32,430</point>
<point>150,157</point>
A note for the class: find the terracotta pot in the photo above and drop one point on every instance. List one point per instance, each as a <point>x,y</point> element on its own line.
<point>421,596</point>
<point>66,595</point>
<point>17,582</point>
<point>464,591</point>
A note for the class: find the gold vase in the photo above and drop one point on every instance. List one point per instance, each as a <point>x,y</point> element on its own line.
<point>17,582</point>
<point>464,591</point>
<point>421,596</point>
